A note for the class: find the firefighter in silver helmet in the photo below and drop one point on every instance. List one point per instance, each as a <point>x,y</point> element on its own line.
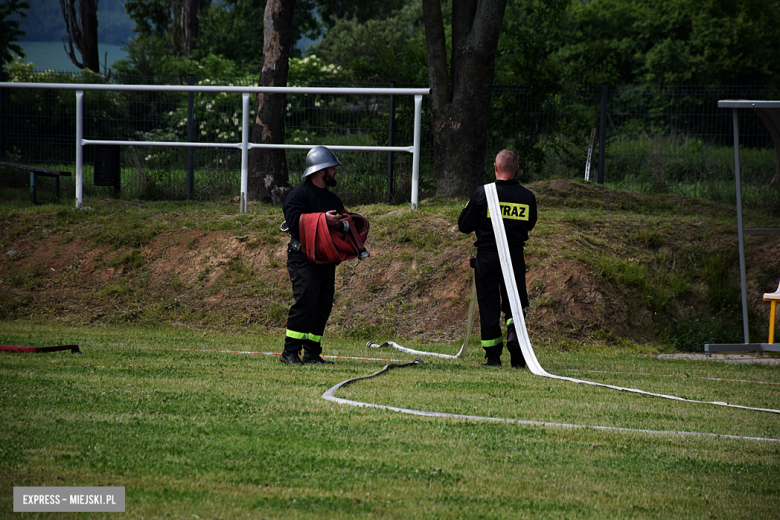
<point>312,283</point>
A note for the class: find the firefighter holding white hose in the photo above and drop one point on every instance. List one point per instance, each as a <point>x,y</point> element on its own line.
<point>518,208</point>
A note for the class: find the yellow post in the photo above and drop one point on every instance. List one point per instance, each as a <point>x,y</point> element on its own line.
<point>774,298</point>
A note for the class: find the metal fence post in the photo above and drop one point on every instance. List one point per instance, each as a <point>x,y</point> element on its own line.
<point>191,139</point>
<point>390,142</point>
<point>79,148</point>
<point>244,151</point>
<point>2,99</point>
<point>603,133</point>
<point>740,231</point>
<point>416,152</point>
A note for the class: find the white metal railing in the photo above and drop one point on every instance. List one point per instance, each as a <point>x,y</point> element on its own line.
<point>244,145</point>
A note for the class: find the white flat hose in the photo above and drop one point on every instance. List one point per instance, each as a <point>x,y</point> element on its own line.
<point>329,395</point>
<point>519,320</point>
<point>469,326</point>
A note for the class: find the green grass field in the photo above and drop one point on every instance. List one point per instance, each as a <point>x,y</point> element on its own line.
<point>192,430</point>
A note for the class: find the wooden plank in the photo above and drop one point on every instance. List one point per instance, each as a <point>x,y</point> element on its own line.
<point>36,169</point>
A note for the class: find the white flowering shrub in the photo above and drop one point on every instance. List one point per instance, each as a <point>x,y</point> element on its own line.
<point>312,68</point>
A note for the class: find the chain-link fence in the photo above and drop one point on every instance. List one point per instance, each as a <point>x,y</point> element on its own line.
<point>675,138</point>
<point>660,138</point>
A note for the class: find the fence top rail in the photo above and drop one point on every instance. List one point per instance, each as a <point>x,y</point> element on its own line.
<point>747,103</point>
<point>222,88</point>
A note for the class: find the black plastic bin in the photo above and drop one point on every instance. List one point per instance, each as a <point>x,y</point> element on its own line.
<point>107,167</point>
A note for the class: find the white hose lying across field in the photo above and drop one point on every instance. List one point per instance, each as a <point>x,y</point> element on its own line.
<point>519,319</point>
<point>328,396</point>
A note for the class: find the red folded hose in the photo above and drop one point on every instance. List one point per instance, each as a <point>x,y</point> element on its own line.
<point>10,348</point>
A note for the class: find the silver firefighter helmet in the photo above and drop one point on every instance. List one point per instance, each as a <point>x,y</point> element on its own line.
<point>318,159</point>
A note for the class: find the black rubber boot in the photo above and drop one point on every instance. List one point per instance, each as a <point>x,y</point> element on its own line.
<point>513,346</point>
<point>315,360</point>
<point>290,357</point>
<point>313,357</point>
<point>493,356</point>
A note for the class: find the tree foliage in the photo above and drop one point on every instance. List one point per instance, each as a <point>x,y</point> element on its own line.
<point>331,11</point>
<point>9,29</point>
<point>651,42</point>
<point>711,42</point>
<point>701,42</point>
<point>524,58</point>
<point>234,29</point>
<point>387,49</point>
<point>151,17</point>
<point>230,29</point>
<point>149,57</point>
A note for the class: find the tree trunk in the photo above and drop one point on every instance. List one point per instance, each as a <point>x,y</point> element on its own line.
<point>176,10</point>
<point>460,104</point>
<point>82,32</point>
<point>268,176</point>
<point>89,34</point>
<point>186,26</point>
<point>191,25</point>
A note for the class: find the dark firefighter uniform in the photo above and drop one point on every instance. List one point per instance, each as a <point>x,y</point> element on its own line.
<point>312,284</point>
<point>518,207</point>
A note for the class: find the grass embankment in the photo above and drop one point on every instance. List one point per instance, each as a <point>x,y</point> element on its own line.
<point>154,293</point>
<point>604,266</point>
